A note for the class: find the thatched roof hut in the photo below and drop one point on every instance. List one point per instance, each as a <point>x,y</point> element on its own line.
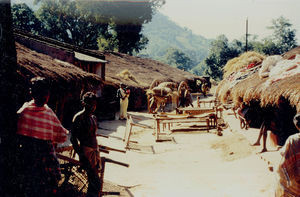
<point>266,90</point>
<point>140,72</point>
<point>236,71</point>
<point>67,80</point>
<point>270,94</point>
<point>64,76</point>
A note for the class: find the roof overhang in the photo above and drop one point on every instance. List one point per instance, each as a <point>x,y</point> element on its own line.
<point>87,58</point>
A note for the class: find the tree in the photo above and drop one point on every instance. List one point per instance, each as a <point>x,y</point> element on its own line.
<point>284,35</point>
<point>8,117</point>
<point>64,22</point>
<point>220,53</point>
<point>178,59</point>
<point>199,69</point>
<point>25,19</point>
<point>126,19</point>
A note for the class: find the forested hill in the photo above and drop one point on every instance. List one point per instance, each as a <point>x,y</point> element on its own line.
<point>164,34</point>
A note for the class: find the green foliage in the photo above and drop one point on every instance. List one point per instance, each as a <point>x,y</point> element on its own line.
<point>284,35</point>
<point>127,18</point>
<point>178,59</point>
<point>200,69</point>
<point>129,38</point>
<point>63,21</point>
<point>25,19</point>
<point>220,52</point>
<point>109,25</point>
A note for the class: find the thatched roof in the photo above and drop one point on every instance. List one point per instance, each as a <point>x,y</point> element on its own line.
<point>140,72</point>
<point>64,76</point>
<point>266,90</point>
<point>242,61</point>
<point>291,54</point>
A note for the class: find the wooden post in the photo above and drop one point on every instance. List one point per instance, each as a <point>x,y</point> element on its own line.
<point>157,128</point>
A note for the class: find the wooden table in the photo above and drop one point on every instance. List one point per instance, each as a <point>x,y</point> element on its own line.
<point>170,119</point>
<point>195,110</point>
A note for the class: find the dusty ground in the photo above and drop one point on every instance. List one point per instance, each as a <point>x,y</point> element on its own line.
<point>195,163</point>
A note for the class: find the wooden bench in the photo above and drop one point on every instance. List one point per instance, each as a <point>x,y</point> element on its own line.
<point>207,103</point>
<point>130,123</point>
<point>210,121</point>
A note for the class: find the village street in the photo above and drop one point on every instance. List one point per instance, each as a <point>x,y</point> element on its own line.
<point>195,163</point>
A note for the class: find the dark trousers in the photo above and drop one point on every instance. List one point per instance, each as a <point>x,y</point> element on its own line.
<point>38,167</point>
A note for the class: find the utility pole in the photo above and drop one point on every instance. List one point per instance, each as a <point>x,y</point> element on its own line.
<point>246,48</point>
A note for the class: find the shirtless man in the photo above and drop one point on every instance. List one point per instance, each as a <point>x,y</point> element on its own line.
<point>84,131</point>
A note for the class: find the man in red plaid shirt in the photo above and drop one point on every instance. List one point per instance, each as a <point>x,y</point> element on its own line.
<point>289,168</point>
<point>38,130</point>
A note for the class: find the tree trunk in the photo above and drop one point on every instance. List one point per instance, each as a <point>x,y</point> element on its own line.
<point>8,79</point>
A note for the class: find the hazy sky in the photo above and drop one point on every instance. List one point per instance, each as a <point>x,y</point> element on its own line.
<point>211,18</point>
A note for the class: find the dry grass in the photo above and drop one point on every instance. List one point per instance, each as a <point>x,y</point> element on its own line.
<point>243,60</point>
<point>144,70</point>
<point>62,74</point>
<point>292,53</point>
<point>126,75</point>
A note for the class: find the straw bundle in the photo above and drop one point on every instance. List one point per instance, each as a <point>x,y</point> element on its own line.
<point>242,61</point>
<point>171,85</point>
<point>159,91</point>
<point>125,74</point>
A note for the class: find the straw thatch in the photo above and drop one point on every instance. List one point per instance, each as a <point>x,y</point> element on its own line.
<point>246,90</point>
<point>64,76</point>
<point>254,88</point>
<point>288,88</point>
<point>267,90</point>
<point>144,70</point>
<point>292,53</point>
<point>223,91</point>
<point>242,61</point>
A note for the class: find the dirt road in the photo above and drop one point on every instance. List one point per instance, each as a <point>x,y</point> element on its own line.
<point>195,163</point>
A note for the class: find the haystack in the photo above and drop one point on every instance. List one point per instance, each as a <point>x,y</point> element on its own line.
<point>126,75</point>
<point>242,61</point>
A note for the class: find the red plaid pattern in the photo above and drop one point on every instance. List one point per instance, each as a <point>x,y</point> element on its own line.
<point>40,123</point>
<point>289,168</point>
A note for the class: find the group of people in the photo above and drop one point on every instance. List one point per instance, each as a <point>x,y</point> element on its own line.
<point>39,131</point>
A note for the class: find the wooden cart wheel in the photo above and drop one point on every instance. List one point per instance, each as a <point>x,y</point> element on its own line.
<point>182,86</point>
<point>154,83</point>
